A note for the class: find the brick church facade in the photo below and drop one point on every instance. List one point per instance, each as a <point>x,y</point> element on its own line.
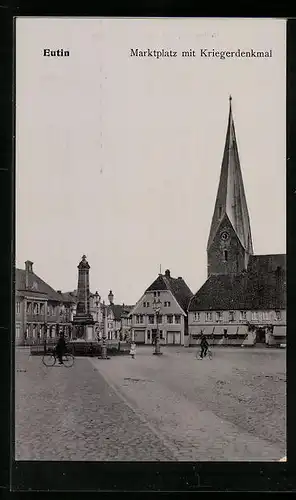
<point>243,301</point>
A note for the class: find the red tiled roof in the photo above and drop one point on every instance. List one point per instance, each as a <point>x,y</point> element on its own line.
<point>261,287</point>
<point>42,286</point>
<point>176,286</point>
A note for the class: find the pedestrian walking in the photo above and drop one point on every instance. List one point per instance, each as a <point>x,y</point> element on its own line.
<point>204,346</point>
<point>133,350</point>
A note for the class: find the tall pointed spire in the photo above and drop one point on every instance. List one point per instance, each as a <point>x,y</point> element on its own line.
<point>231,199</point>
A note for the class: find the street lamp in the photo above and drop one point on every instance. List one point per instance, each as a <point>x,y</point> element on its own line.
<point>104,339</point>
<point>156,307</point>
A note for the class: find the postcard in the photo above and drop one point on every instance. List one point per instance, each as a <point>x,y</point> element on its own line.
<point>150,280</point>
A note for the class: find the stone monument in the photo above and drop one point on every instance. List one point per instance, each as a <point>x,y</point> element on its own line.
<point>83,322</point>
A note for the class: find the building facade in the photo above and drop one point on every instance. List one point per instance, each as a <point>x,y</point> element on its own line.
<point>243,301</point>
<point>40,311</point>
<point>172,296</point>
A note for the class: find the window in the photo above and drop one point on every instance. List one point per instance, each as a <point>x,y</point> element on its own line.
<point>147,304</point>
<point>53,310</point>
<point>218,316</point>
<point>278,315</point>
<point>225,255</point>
<point>160,318</point>
<point>29,306</point>
<point>265,315</point>
<point>243,315</point>
<point>18,307</point>
<point>220,212</point>
<point>158,294</point>
<point>17,331</point>
<point>208,316</point>
<point>231,315</point>
<point>154,294</point>
<point>151,319</point>
<point>196,316</point>
<point>41,308</point>
<point>48,310</point>
<point>167,304</point>
<point>177,318</point>
<point>144,304</point>
<point>169,318</point>
<point>141,318</point>
<point>161,334</point>
<point>148,335</point>
<point>35,309</point>
<point>137,319</point>
<point>254,315</point>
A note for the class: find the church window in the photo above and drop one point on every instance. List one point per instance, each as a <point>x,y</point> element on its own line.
<point>225,255</point>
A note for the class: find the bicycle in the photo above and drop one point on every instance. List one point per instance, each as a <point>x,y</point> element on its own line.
<point>209,355</point>
<point>50,359</point>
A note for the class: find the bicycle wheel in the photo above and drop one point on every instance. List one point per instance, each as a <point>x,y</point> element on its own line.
<point>68,360</point>
<point>48,359</point>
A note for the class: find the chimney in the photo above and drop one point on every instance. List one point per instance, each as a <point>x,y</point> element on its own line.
<point>167,273</point>
<point>29,269</point>
<point>111,297</point>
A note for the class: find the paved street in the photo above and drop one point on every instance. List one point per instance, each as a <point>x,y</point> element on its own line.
<point>172,407</point>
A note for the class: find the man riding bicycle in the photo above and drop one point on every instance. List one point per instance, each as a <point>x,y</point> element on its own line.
<point>204,345</point>
<point>60,349</point>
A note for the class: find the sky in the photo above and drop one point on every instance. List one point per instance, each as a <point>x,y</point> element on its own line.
<point>118,157</point>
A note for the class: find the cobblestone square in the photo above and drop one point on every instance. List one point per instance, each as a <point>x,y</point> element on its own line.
<point>167,408</point>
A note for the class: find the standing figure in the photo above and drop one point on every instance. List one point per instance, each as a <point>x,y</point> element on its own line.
<point>204,346</point>
<point>133,350</point>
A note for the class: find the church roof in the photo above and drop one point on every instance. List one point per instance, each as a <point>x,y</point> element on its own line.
<point>261,287</point>
<point>35,286</point>
<point>231,199</point>
<point>177,286</point>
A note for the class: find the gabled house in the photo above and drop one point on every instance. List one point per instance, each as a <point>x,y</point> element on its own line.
<point>172,296</point>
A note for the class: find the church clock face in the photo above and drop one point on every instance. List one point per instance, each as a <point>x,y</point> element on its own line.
<point>224,236</point>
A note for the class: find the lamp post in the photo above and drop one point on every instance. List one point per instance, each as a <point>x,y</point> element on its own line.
<point>156,308</point>
<point>104,340</point>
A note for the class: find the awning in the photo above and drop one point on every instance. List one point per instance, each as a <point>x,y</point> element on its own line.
<point>232,330</point>
<point>207,330</point>
<point>219,330</point>
<point>279,331</point>
<point>242,330</point>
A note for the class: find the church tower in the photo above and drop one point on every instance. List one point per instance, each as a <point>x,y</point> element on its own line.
<point>230,241</point>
